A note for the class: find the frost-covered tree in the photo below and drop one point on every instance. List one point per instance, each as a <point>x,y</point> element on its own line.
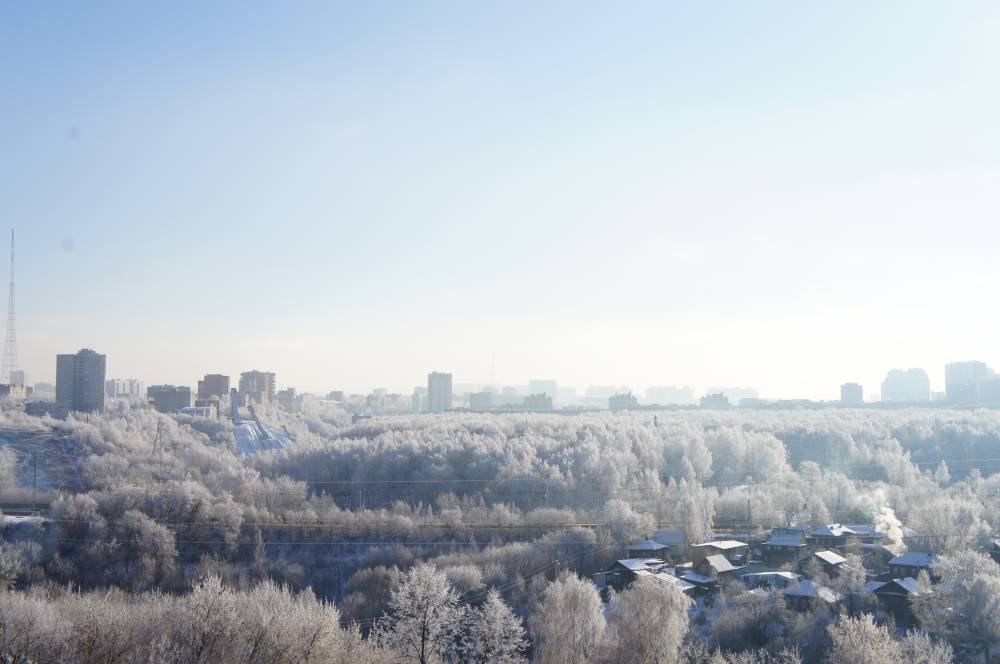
<point>964,606</point>
<point>861,641</point>
<point>568,625</point>
<point>648,623</point>
<point>424,616</point>
<point>495,634</point>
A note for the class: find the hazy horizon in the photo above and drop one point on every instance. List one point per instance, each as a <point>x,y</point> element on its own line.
<point>778,196</point>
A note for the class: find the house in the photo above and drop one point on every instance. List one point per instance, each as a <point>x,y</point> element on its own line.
<point>716,566</point>
<point>894,597</point>
<point>675,539</point>
<point>911,563</point>
<point>648,549</point>
<point>806,594</point>
<point>734,551</point>
<point>776,580</point>
<point>785,545</point>
<point>838,535</point>
<point>623,572</point>
<point>830,562</point>
<point>994,550</point>
<point>680,584</point>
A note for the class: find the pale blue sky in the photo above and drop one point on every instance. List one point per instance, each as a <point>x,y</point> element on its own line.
<point>784,194</point>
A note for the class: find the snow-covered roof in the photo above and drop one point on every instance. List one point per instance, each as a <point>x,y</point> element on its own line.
<point>635,564</point>
<point>785,540</point>
<point>790,576</point>
<point>669,537</point>
<point>723,545</point>
<point>680,584</point>
<point>830,558</point>
<point>808,588</point>
<point>908,585</point>
<point>832,530</point>
<point>915,559</point>
<point>719,563</point>
<point>698,579</point>
<point>646,545</point>
<point>865,529</point>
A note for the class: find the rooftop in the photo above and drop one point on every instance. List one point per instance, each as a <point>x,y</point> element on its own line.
<point>915,559</point>
<point>830,558</point>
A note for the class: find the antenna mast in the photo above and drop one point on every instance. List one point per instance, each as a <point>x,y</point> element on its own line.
<point>10,350</point>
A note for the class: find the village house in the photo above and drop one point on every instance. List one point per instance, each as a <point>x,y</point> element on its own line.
<point>785,545</point>
<point>806,595</point>
<point>648,549</point>
<point>911,564</point>
<point>894,598</point>
<point>624,572</point>
<point>772,580</point>
<point>829,561</point>
<point>732,550</point>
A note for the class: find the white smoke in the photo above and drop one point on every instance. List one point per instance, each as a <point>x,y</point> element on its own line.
<point>889,525</point>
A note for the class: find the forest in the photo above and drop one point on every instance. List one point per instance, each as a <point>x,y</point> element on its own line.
<point>476,537</point>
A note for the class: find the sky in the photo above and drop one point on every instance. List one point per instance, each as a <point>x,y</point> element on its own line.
<point>783,195</point>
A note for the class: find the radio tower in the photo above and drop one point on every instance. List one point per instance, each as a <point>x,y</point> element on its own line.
<point>10,350</point>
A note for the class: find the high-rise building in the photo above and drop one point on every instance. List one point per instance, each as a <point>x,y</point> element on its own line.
<point>537,402</point>
<point>544,386</point>
<point>852,394</point>
<point>439,395</point>
<point>962,381</point>
<point>213,385</point>
<point>289,400</point>
<point>169,398</point>
<point>480,400</point>
<point>622,402</point>
<point>256,387</point>
<point>80,381</point>
<point>906,386</point>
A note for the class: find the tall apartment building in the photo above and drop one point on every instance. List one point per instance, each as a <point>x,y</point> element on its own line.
<point>80,381</point>
<point>964,380</point>
<point>213,385</point>
<point>909,386</point>
<point>169,398</point>
<point>439,395</point>
<point>852,394</point>
<point>256,387</point>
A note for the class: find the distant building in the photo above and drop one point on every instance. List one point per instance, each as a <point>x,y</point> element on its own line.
<point>418,402</point>
<point>256,387</point>
<point>852,394</point>
<point>668,395</point>
<point>131,388</point>
<point>537,402</point>
<point>963,381</point>
<point>80,381</point>
<point>213,385</point>
<point>45,390</point>
<point>622,402</point>
<point>909,386</point>
<point>169,398</point>
<point>288,400</point>
<point>481,400</point>
<point>17,378</point>
<point>335,395</point>
<point>716,401</point>
<point>735,394</point>
<point>439,396</point>
<point>546,386</point>
<point>199,411</point>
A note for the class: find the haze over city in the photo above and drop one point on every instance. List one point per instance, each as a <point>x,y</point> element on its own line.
<point>783,196</point>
